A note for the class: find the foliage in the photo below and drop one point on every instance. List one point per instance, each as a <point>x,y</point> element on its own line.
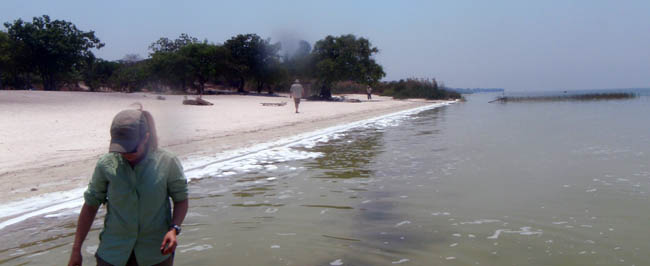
<point>203,62</point>
<point>131,77</point>
<point>345,58</point>
<point>55,53</point>
<point>98,72</point>
<point>252,57</point>
<point>416,88</point>
<point>168,64</point>
<point>299,64</point>
<point>166,45</point>
<point>5,58</point>
<point>52,48</point>
<point>350,87</point>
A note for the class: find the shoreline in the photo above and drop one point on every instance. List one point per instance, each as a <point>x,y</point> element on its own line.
<point>199,166</point>
<point>53,139</point>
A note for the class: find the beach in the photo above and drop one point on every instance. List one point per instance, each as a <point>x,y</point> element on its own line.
<point>51,140</point>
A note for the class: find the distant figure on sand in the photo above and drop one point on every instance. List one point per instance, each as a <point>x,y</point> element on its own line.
<point>369,92</point>
<point>296,93</point>
<point>135,180</point>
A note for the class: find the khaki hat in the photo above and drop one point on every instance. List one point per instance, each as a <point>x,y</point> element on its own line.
<point>128,128</point>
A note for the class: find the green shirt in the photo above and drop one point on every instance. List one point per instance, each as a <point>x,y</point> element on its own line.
<point>138,211</point>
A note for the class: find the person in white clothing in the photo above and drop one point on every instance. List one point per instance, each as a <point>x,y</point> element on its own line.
<point>296,93</point>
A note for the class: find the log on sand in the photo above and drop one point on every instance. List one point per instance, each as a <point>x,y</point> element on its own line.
<point>196,101</point>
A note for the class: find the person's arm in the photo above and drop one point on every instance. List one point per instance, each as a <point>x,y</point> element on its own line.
<point>86,218</point>
<point>169,242</point>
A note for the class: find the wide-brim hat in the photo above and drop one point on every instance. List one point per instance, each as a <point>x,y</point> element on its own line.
<point>127,130</point>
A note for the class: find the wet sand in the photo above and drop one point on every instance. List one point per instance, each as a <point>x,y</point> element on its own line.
<point>51,140</point>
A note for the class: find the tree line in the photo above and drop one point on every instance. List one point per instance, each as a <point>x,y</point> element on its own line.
<point>56,54</point>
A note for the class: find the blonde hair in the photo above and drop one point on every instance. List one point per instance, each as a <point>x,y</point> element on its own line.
<point>152,145</point>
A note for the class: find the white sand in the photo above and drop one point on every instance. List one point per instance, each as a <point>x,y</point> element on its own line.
<point>50,141</point>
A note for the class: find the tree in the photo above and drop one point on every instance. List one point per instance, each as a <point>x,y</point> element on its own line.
<point>250,57</point>
<point>204,62</point>
<point>53,48</point>
<point>166,45</point>
<point>98,73</point>
<point>5,57</point>
<point>131,59</point>
<point>299,63</point>
<point>345,58</point>
<point>131,77</point>
<point>168,64</point>
<point>266,68</point>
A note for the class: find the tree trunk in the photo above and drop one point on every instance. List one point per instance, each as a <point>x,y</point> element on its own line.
<point>201,88</point>
<point>242,82</point>
<point>45,82</point>
<point>325,92</point>
<point>260,86</point>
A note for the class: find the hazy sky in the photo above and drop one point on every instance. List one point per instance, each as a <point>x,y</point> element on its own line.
<point>516,45</point>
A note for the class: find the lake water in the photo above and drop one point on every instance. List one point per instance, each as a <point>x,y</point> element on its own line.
<point>471,183</point>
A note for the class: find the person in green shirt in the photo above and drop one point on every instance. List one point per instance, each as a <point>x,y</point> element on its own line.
<point>135,180</point>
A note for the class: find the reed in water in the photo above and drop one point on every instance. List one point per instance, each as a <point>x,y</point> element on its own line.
<point>569,97</point>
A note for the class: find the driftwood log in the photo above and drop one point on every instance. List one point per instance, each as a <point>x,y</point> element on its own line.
<point>274,104</point>
<point>196,101</point>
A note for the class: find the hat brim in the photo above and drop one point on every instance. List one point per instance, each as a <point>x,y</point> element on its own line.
<point>123,145</point>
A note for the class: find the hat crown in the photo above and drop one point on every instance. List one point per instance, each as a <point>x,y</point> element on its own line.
<point>127,129</point>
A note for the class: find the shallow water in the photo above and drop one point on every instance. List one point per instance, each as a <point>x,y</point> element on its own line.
<point>471,183</point>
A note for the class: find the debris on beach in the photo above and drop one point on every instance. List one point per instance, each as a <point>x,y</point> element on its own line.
<point>160,97</point>
<point>196,101</point>
<point>274,104</point>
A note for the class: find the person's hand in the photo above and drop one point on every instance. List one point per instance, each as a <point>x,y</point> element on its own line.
<point>169,242</point>
<point>75,258</point>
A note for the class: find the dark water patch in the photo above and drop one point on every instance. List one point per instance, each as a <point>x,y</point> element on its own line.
<point>377,211</point>
<point>245,222</point>
<point>246,194</point>
<point>358,189</point>
<point>32,254</point>
<point>251,178</point>
<point>327,206</point>
<point>256,205</point>
<point>342,238</point>
<point>198,197</point>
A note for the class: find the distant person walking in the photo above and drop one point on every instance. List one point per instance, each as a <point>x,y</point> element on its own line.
<point>135,180</point>
<point>369,92</point>
<point>296,93</point>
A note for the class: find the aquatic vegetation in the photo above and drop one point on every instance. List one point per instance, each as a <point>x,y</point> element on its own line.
<point>569,97</point>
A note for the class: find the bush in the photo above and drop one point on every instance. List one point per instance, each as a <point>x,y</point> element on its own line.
<point>416,88</point>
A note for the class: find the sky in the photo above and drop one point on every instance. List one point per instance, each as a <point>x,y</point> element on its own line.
<point>517,45</point>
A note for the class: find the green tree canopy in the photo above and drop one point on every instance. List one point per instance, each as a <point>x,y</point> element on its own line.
<point>168,64</point>
<point>299,63</point>
<point>164,44</point>
<point>98,72</point>
<point>54,48</point>
<point>345,58</point>
<point>5,56</point>
<point>250,58</point>
<point>205,62</point>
